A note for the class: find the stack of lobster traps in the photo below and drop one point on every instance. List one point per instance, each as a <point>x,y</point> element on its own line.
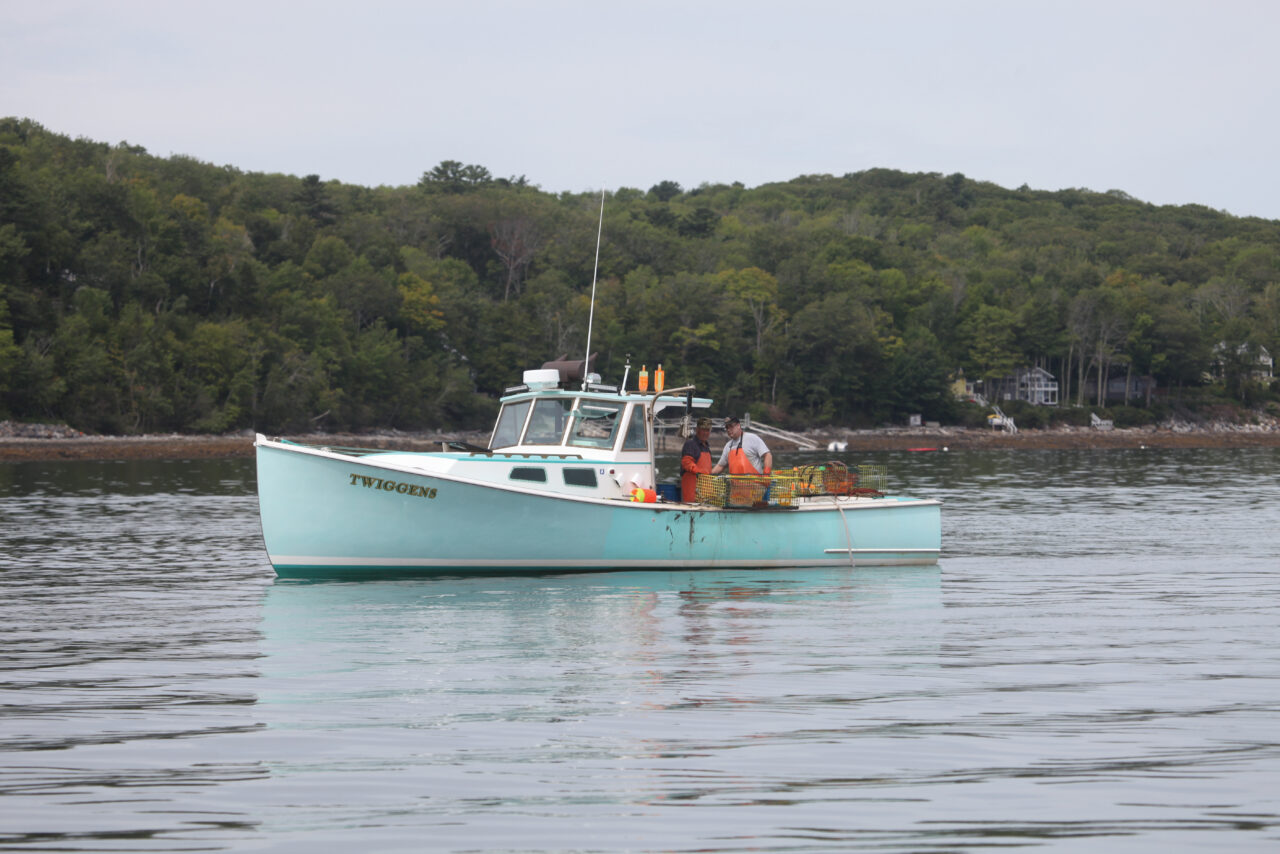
<point>785,487</point>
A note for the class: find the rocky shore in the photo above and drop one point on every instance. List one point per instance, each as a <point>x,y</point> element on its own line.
<point>20,442</point>
<point>1067,438</point>
<point>57,442</point>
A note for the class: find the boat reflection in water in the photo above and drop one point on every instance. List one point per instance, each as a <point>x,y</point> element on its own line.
<point>412,637</point>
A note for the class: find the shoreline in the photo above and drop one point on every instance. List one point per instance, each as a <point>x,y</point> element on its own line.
<point>185,447</point>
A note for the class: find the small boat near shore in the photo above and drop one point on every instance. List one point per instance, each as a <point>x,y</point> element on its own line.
<point>556,489</point>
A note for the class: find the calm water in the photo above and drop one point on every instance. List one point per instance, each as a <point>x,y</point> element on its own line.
<point>1095,666</point>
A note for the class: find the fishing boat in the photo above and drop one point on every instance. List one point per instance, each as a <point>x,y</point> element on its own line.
<point>568,482</point>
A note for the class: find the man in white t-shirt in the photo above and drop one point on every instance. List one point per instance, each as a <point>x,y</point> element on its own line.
<point>744,453</point>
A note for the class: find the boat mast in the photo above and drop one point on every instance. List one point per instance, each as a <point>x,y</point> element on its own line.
<point>591,315</point>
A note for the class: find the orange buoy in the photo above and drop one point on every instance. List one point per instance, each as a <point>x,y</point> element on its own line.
<point>648,496</point>
<point>644,379</point>
<point>659,379</point>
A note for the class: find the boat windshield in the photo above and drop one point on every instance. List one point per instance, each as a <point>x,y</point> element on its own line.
<point>595,423</point>
<point>546,424</point>
<point>637,436</point>
<point>510,422</point>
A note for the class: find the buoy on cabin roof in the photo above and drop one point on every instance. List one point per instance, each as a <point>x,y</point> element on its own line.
<point>644,378</point>
<point>659,379</point>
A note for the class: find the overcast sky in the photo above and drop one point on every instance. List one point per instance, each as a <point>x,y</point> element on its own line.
<point>1172,101</point>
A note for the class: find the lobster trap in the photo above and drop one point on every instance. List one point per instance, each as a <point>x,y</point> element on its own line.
<point>784,487</point>
<point>737,490</point>
<point>835,478</point>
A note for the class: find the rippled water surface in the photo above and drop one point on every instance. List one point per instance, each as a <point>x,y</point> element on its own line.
<point>1094,666</point>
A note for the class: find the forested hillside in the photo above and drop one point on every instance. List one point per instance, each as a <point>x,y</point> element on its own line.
<point>143,294</point>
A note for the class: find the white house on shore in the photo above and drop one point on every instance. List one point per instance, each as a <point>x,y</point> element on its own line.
<point>1034,385</point>
<point>1261,366</point>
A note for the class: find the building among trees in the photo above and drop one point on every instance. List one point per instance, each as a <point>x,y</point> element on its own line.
<point>1255,361</point>
<point>1033,385</point>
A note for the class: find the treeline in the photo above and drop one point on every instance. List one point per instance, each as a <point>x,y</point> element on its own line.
<point>142,294</point>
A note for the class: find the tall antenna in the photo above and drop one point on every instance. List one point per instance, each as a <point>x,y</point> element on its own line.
<point>591,315</point>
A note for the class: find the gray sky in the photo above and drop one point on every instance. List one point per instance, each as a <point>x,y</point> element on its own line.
<point>1173,102</point>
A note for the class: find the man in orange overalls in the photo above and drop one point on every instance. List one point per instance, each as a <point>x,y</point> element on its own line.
<point>695,459</point>
<point>744,453</point>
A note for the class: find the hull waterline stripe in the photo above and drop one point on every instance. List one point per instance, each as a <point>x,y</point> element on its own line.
<point>881,551</point>
<point>313,562</point>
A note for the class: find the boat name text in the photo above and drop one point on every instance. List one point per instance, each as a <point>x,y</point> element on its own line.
<point>392,486</point>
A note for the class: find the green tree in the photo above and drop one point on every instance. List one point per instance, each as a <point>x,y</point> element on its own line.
<point>991,335</point>
<point>757,291</point>
<point>665,191</point>
<point>9,351</point>
<point>450,176</point>
<point>419,304</point>
<point>835,346</point>
<point>313,198</point>
<point>919,381</point>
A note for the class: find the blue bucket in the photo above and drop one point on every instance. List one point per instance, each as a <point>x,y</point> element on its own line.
<point>669,491</point>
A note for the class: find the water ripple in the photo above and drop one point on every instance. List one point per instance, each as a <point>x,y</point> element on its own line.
<point>1095,663</point>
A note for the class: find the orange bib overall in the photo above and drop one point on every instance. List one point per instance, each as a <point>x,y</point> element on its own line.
<point>738,462</point>
<point>689,479</point>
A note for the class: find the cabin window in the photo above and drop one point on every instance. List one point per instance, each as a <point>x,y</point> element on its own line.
<point>536,475</point>
<point>637,435</point>
<point>595,424</point>
<point>546,424</point>
<point>510,423</point>
<point>580,477</point>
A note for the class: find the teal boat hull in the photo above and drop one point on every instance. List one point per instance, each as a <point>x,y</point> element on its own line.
<point>327,514</point>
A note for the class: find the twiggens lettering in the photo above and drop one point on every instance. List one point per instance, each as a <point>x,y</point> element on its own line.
<point>369,482</point>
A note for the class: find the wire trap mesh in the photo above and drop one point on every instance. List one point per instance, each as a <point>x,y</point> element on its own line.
<point>835,478</point>
<point>736,490</point>
<point>782,488</point>
<point>873,479</point>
